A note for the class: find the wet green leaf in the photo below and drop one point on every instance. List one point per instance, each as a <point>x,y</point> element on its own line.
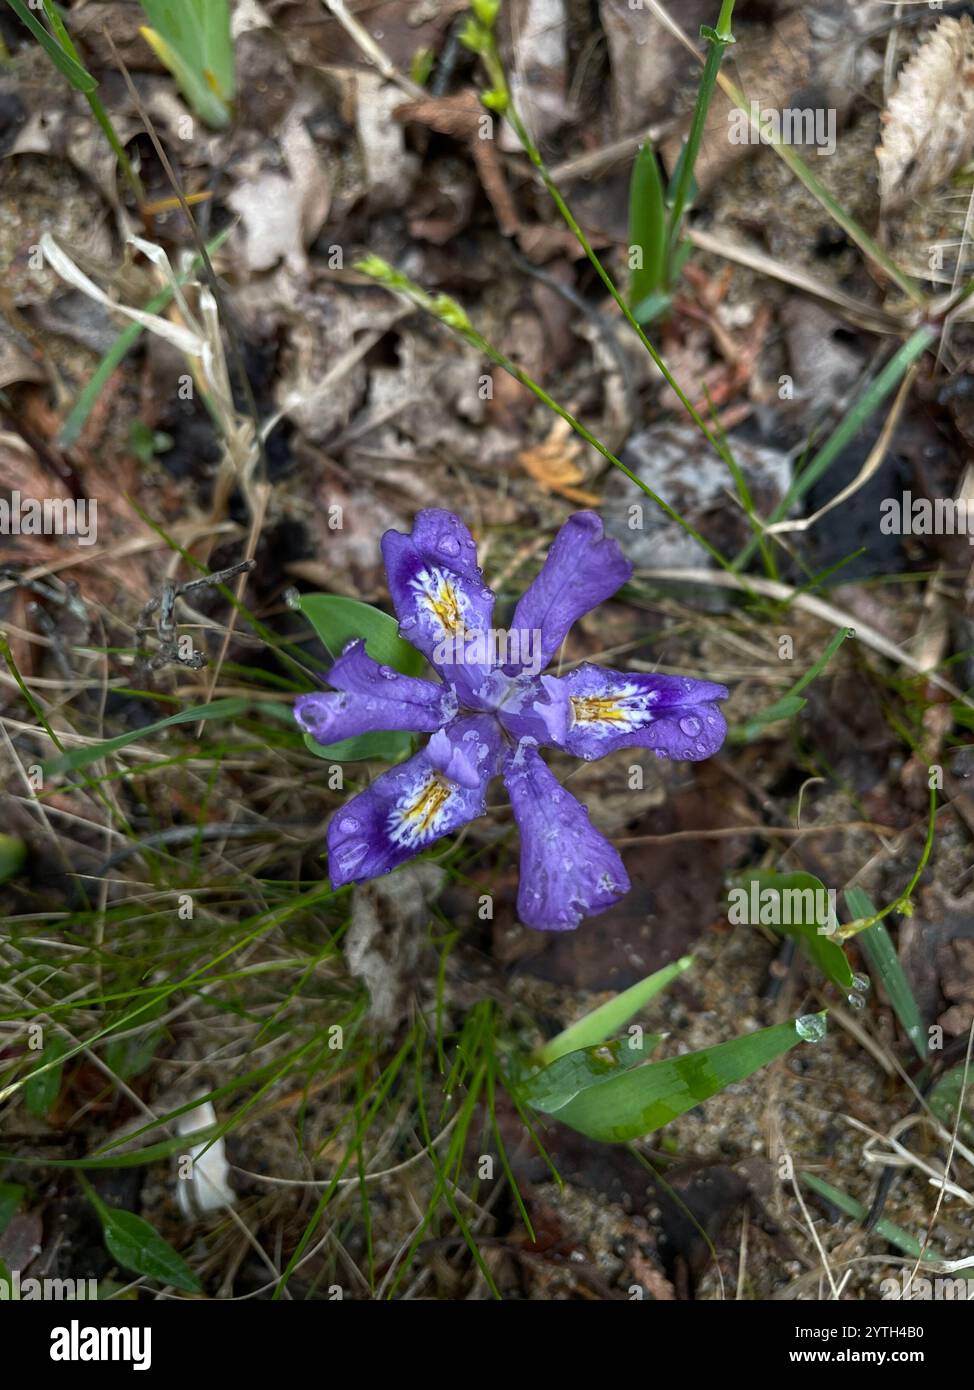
<point>140,1248</point>
<point>337,620</point>
<point>641,1101</point>
<point>612,1017</point>
<point>561,1081</point>
<point>820,947</point>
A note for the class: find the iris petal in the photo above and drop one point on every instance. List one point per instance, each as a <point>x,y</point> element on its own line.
<point>409,807</point>
<point>593,711</point>
<point>443,605</point>
<point>582,568</point>
<point>568,869</point>
<point>372,698</point>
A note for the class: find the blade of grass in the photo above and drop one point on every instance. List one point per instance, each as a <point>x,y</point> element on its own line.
<point>227,708</point>
<point>719,38</point>
<point>97,110</point>
<point>861,410</point>
<point>79,77</point>
<point>877,946</point>
<point>612,1016</point>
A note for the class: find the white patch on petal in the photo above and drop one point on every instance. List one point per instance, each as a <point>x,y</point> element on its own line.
<point>419,814</point>
<point>619,712</point>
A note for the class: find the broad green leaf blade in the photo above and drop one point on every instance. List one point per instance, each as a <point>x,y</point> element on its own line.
<point>611,1017</point>
<point>79,77</point>
<point>877,946</point>
<point>647,225</point>
<point>190,79</point>
<point>643,1100</point>
<point>42,1090</point>
<point>555,1085</point>
<point>193,39</point>
<point>227,708</point>
<point>13,852</point>
<point>200,30</point>
<point>796,896</point>
<point>140,1248</point>
<point>389,747</point>
<point>338,620</point>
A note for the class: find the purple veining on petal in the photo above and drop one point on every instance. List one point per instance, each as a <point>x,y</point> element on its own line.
<point>443,605</point>
<point>583,567</point>
<point>593,711</point>
<point>411,806</point>
<point>372,698</point>
<point>568,869</point>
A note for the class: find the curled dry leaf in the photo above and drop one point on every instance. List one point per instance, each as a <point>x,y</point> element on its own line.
<point>928,130</point>
<point>555,464</point>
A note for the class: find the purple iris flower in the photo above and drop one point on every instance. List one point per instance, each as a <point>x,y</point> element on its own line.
<point>494,710</point>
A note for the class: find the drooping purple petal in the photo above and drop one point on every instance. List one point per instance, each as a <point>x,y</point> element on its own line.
<point>372,698</point>
<point>409,807</point>
<point>592,711</point>
<point>443,605</point>
<point>568,869</point>
<point>583,567</point>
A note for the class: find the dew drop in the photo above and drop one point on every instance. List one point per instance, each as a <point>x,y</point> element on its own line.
<point>292,598</point>
<point>861,983</point>
<point>810,1027</point>
<point>348,825</point>
<point>387,673</point>
<point>855,1001</point>
<point>352,857</point>
<point>449,546</point>
<point>406,624</point>
<point>690,725</point>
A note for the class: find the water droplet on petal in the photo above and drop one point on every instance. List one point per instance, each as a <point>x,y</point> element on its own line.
<point>387,673</point>
<point>449,546</point>
<point>810,1027</point>
<point>690,725</point>
<point>348,825</point>
<point>406,624</point>
<point>352,856</point>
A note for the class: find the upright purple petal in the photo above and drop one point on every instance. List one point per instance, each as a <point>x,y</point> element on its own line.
<point>583,567</point>
<point>592,711</point>
<point>568,869</point>
<point>409,807</point>
<point>372,698</point>
<point>443,605</point>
